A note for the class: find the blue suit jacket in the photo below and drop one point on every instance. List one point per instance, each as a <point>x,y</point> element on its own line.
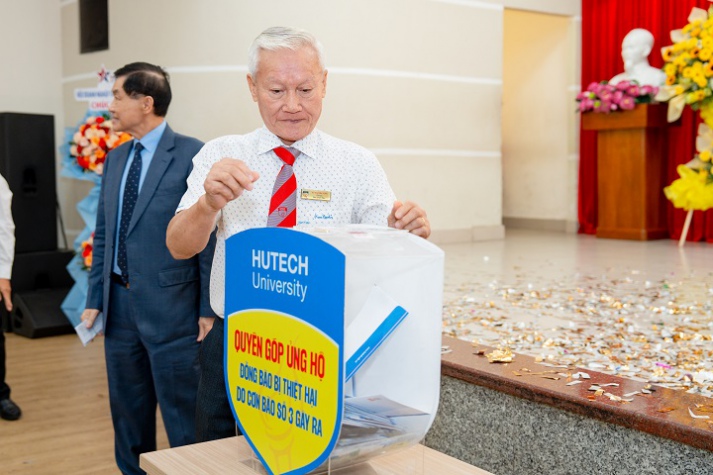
<point>169,294</point>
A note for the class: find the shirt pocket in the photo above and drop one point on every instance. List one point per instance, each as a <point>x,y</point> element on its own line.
<point>179,275</point>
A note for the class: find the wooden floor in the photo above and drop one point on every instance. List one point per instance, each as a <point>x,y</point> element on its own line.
<point>65,426</point>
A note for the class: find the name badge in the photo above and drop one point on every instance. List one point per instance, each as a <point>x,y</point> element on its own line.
<point>315,195</point>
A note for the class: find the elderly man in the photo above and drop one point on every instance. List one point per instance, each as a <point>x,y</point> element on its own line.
<point>245,181</point>
<point>155,308</point>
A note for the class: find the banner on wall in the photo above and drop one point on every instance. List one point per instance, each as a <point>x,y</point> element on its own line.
<point>98,98</point>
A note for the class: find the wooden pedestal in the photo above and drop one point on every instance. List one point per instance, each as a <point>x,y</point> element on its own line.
<point>631,167</point>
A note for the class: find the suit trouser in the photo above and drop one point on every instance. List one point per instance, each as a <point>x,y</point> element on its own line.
<point>214,418</point>
<point>4,388</point>
<point>142,373</point>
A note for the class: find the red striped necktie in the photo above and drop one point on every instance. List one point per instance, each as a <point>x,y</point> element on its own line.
<point>283,204</point>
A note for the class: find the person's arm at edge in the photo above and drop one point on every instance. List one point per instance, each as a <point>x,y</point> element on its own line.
<point>7,233</point>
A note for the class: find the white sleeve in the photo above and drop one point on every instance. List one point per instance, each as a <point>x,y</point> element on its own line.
<point>375,198</point>
<point>202,163</point>
<point>7,230</point>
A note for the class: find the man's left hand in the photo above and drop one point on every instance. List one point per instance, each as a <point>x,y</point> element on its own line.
<point>411,217</point>
<point>205,325</point>
<point>6,293</point>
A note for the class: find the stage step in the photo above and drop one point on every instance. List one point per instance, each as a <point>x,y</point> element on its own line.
<point>530,424</point>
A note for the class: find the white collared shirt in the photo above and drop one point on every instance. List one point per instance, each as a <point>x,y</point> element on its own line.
<point>360,192</point>
<point>7,230</point>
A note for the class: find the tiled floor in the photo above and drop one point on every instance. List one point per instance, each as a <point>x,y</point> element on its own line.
<point>636,309</point>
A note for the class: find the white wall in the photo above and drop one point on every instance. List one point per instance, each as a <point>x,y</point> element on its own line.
<point>424,95</point>
<point>30,56</point>
<point>552,7</point>
<point>427,100</point>
<point>541,70</point>
<point>31,71</point>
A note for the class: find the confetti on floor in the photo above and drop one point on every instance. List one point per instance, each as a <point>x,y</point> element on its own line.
<point>618,323</point>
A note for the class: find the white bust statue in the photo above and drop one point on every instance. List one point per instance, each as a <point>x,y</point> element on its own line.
<point>635,51</point>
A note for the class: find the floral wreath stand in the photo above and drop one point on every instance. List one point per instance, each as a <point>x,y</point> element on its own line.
<point>693,190</point>
<point>689,82</point>
<point>75,301</point>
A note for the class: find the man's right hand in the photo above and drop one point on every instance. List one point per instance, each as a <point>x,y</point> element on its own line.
<point>226,181</point>
<point>88,316</point>
<point>189,231</point>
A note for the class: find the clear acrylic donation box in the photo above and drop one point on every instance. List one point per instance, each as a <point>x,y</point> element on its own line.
<point>332,343</point>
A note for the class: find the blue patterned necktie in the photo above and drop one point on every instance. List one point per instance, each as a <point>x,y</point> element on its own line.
<point>131,193</point>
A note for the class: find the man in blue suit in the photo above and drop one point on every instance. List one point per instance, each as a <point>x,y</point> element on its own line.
<point>155,308</point>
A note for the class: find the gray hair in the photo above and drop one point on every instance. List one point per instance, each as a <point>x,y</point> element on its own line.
<point>282,37</point>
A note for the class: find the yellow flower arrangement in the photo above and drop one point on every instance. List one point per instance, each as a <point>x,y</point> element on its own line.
<point>691,191</point>
<point>689,81</point>
<point>689,66</point>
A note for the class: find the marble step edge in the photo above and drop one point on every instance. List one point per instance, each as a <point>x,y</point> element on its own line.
<point>664,412</point>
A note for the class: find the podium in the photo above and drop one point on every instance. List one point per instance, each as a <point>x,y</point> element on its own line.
<point>631,161</point>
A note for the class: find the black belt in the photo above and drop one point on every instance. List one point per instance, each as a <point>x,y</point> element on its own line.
<point>118,279</point>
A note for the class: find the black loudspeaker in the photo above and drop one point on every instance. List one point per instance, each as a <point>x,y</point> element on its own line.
<point>27,161</point>
<point>41,270</point>
<point>38,314</point>
<point>40,282</point>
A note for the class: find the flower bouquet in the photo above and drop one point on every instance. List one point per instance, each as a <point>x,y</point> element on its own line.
<point>605,97</point>
<point>689,77</point>
<point>93,140</point>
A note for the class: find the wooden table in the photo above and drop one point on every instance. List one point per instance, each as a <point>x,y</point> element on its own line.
<point>233,455</point>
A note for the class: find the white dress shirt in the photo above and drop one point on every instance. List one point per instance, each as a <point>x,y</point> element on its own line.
<point>360,192</point>
<point>7,230</point>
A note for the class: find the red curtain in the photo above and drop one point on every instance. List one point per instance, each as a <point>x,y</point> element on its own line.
<point>604,25</point>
